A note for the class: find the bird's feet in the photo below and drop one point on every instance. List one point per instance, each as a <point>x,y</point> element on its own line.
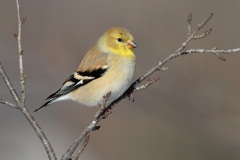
<point>104,109</point>
<point>129,93</point>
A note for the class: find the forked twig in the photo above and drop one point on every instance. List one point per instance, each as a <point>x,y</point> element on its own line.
<point>92,126</point>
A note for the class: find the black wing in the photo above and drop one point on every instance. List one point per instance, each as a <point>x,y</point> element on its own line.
<point>76,80</point>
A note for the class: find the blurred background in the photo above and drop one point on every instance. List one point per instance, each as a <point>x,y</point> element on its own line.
<point>192,112</point>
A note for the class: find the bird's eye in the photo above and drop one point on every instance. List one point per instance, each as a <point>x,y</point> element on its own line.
<point>119,40</point>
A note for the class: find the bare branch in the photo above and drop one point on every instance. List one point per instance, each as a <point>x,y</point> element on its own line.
<point>191,36</point>
<point>203,35</point>
<point>144,86</point>
<point>8,103</point>
<point>73,147</point>
<point>189,25</point>
<point>101,114</point>
<point>214,51</point>
<point>201,25</point>
<point>20,51</point>
<point>86,140</point>
<point>40,133</point>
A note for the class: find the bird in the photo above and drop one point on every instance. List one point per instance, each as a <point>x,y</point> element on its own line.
<point>107,67</point>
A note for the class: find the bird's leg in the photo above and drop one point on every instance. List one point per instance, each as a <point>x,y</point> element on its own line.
<point>130,96</point>
<point>129,93</point>
<point>105,110</point>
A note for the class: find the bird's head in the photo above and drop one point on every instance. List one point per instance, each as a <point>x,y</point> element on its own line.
<point>119,41</point>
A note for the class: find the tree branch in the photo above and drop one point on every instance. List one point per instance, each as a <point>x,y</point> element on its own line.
<point>22,107</point>
<point>8,103</point>
<point>20,51</point>
<point>84,145</point>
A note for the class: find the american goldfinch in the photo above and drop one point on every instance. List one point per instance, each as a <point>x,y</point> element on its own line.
<point>108,66</point>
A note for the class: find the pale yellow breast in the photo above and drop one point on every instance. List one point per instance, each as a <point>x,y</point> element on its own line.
<point>116,80</point>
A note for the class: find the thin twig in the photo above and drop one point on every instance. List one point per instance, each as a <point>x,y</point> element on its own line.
<point>191,36</point>
<point>20,51</point>
<point>214,50</point>
<point>92,126</point>
<point>189,25</point>
<point>74,145</point>
<point>86,140</point>
<point>8,103</point>
<point>41,135</point>
<point>203,35</point>
<point>144,86</point>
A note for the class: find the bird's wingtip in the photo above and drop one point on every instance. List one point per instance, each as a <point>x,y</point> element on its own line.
<point>44,105</point>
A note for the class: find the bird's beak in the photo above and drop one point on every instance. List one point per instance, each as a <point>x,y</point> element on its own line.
<point>131,45</point>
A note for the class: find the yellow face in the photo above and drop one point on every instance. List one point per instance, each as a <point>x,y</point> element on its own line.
<point>119,41</point>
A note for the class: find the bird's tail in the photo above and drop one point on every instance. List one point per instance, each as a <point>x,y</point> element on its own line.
<point>53,98</point>
<point>44,105</point>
